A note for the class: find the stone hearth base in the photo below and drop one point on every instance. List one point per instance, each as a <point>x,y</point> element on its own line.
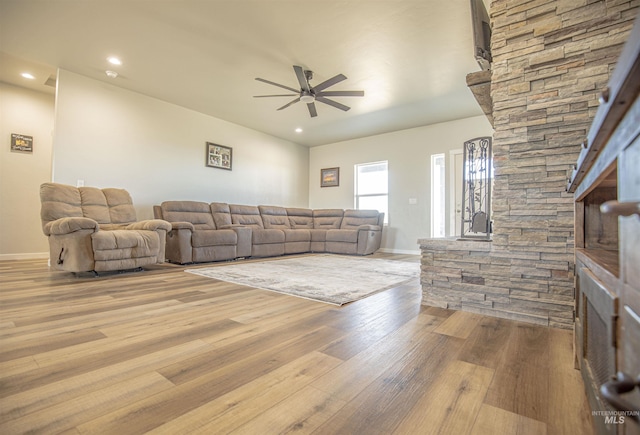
<point>473,276</point>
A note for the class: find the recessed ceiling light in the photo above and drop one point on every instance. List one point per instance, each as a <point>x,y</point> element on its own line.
<point>111,74</point>
<point>114,60</point>
<point>26,75</point>
<point>298,130</point>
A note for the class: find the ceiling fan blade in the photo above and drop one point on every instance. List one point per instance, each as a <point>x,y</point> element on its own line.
<point>332,81</point>
<point>340,94</point>
<point>332,103</point>
<point>312,110</point>
<point>281,95</point>
<point>290,103</point>
<point>304,85</point>
<point>278,85</point>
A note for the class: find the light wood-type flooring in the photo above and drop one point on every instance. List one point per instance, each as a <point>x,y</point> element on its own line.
<point>167,352</point>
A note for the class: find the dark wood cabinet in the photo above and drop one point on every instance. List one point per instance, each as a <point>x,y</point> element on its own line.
<point>606,184</point>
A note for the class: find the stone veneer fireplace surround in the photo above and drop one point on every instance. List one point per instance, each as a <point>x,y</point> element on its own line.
<point>550,61</point>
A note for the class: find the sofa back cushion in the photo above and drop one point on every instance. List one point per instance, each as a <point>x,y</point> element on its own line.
<point>221,214</point>
<point>247,215</point>
<point>274,217</point>
<point>300,218</point>
<point>59,201</point>
<point>327,219</point>
<point>94,205</point>
<point>121,210</point>
<point>354,218</point>
<point>196,212</point>
<point>105,206</point>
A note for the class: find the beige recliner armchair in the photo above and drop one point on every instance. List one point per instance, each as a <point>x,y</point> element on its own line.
<point>91,229</point>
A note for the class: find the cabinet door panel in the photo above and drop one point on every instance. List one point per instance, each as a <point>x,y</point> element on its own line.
<point>629,191</point>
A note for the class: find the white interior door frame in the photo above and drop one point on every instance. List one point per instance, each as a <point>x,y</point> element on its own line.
<point>455,191</point>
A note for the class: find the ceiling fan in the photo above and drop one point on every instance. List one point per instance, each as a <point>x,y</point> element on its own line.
<point>310,94</point>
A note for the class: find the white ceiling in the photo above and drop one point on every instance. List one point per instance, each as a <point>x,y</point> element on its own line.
<point>409,57</point>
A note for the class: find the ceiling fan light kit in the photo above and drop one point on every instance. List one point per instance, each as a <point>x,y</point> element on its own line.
<point>307,97</point>
<point>310,94</point>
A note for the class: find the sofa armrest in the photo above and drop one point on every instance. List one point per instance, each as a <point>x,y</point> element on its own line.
<point>369,228</point>
<point>178,248</point>
<point>161,227</point>
<point>182,226</point>
<point>243,247</point>
<point>150,225</point>
<point>69,225</point>
<point>369,239</point>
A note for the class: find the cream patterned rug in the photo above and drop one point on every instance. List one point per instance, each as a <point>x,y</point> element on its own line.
<point>330,278</point>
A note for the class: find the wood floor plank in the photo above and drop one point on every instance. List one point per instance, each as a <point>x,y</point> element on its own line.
<point>47,395</point>
<point>185,371</point>
<point>460,324</point>
<point>301,412</point>
<point>381,405</point>
<point>492,420</point>
<point>452,403</point>
<point>486,344</point>
<point>34,346</point>
<point>93,359</point>
<point>565,382</point>
<point>233,409</point>
<point>354,375</point>
<point>245,331</point>
<point>157,409</point>
<point>522,385</point>
<point>397,312</point>
<point>69,414</point>
<point>99,320</point>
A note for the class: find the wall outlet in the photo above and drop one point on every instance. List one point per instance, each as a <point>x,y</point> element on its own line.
<point>413,201</point>
<point>80,183</point>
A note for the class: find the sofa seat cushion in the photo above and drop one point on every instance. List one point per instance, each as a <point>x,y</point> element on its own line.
<point>349,236</point>
<point>125,244</point>
<point>201,238</point>
<point>297,235</point>
<point>318,235</point>
<point>264,236</point>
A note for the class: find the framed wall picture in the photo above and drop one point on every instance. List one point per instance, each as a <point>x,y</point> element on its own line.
<point>329,177</point>
<point>21,143</point>
<point>219,156</point>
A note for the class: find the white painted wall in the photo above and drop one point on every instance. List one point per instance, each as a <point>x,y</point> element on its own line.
<point>111,137</point>
<point>409,155</point>
<point>27,112</point>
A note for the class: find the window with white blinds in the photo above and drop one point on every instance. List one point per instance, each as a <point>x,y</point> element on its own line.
<point>372,187</point>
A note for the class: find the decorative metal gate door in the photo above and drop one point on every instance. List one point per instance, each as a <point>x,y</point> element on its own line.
<point>476,189</point>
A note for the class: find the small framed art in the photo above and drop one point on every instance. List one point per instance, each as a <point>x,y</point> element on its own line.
<point>21,143</point>
<point>219,156</point>
<point>329,177</point>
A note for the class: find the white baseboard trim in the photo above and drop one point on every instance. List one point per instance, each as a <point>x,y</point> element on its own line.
<point>27,256</point>
<point>399,251</point>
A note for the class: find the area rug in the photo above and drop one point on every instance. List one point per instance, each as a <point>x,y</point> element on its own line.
<point>334,279</point>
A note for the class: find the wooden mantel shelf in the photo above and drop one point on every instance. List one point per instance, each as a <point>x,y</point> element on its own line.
<point>480,84</point>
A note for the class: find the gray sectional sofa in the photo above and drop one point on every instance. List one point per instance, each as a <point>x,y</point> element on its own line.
<point>203,232</point>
